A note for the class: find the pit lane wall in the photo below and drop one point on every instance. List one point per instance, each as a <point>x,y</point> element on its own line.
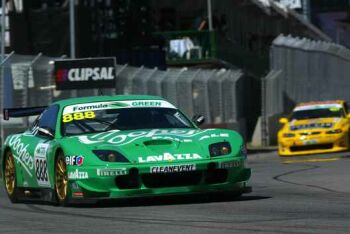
<point>218,94</point>
<point>301,70</point>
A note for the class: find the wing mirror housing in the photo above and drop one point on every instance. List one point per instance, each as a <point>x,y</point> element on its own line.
<point>49,133</point>
<point>198,119</point>
<point>283,120</point>
<point>348,116</point>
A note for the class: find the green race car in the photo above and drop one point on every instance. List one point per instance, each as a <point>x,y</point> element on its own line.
<point>107,147</point>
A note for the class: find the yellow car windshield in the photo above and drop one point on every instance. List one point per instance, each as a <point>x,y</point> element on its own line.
<point>318,113</point>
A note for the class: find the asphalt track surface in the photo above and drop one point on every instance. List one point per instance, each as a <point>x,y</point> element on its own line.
<point>308,194</point>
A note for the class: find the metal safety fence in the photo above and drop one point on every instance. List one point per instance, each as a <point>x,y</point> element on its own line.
<point>217,94</point>
<point>302,70</point>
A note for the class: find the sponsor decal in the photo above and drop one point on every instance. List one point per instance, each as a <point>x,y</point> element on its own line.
<point>146,103</point>
<point>111,172</point>
<point>318,106</point>
<point>21,154</point>
<point>41,167</point>
<point>76,160</point>
<point>230,164</point>
<point>115,105</point>
<point>310,126</point>
<point>78,116</point>
<point>173,168</point>
<point>214,136</point>
<point>78,175</point>
<point>85,73</point>
<point>115,137</point>
<point>169,157</point>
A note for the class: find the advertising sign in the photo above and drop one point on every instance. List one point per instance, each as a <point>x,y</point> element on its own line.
<point>87,73</point>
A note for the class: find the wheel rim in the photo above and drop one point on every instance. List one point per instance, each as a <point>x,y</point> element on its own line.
<point>10,174</point>
<point>61,179</point>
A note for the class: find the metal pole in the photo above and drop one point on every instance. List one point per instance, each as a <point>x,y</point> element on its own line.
<point>74,93</point>
<point>210,16</point>
<point>3,22</point>
<point>72,27</point>
<point>306,9</point>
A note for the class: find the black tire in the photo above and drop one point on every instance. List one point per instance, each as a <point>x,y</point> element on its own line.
<point>10,177</point>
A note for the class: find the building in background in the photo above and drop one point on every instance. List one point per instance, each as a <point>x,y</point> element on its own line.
<point>168,33</point>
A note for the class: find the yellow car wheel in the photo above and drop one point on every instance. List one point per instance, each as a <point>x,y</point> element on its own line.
<point>10,177</point>
<point>61,180</point>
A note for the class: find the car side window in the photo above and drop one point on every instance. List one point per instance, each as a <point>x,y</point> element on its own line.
<point>49,117</point>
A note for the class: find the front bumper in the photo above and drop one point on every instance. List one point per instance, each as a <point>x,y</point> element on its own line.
<point>313,145</point>
<point>138,181</point>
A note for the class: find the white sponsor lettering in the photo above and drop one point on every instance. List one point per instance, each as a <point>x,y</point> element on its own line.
<point>171,138</point>
<point>174,168</point>
<point>213,136</point>
<point>168,157</point>
<point>21,153</point>
<point>86,74</point>
<point>111,172</point>
<point>78,174</point>
<point>120,139</point>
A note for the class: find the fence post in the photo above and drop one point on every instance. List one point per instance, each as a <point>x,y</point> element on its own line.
<point>264,127</point>
<point>2,98</point>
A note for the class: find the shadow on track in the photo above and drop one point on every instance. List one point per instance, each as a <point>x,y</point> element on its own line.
<point>157,201</point>
<point>172,200</point>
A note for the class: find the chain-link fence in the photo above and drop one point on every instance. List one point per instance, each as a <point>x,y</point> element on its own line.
<point>303,70</point>
<point>217,94</point>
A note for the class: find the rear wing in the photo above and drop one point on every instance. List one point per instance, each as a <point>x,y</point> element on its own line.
<point>22,112</point>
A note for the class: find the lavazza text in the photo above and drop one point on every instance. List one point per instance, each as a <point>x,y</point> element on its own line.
<point>85,74</point>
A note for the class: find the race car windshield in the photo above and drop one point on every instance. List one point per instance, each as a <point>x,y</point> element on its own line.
<point>123,119</point>
<point>317,113</point>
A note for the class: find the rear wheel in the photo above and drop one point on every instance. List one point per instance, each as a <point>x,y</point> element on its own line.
<point>61,180</point>
<point>10,177</point>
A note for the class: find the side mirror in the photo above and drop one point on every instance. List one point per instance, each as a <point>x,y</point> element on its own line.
<point>46,132</point>
<point>348,116</point>
<point>198,119</point>
<point>283,120</point>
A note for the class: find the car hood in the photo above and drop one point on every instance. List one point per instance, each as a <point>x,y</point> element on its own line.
<point>158,145</point>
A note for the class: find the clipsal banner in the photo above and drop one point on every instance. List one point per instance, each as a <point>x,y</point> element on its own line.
<point>85,73</point>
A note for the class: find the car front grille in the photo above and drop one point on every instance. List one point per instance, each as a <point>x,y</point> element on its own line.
<point>311,147</point>
<point>178,179</point>
<point>172,179</point>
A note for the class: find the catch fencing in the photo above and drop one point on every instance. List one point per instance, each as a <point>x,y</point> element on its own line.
<point>302,70</point>
<point>217,94</point>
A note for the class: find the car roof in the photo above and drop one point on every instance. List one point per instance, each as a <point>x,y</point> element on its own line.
<point>72,101</point>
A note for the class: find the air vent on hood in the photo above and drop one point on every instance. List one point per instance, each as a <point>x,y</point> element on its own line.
<point>157,142</point>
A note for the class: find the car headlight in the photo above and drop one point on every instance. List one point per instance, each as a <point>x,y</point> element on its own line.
<point>219,149</point>
<point>335,131</point>
<point>286,135</point>
<point>110,156</point>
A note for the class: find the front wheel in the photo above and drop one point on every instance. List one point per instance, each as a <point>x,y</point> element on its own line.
<point>10,177</point>
<point>61,180</point>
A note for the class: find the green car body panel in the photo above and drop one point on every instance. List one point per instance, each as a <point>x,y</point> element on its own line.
<point>159,161</point>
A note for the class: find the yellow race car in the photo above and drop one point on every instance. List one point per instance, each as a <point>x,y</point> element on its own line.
<point>315,127</point>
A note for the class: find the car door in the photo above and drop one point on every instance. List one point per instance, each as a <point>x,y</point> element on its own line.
<point>37,145</point>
